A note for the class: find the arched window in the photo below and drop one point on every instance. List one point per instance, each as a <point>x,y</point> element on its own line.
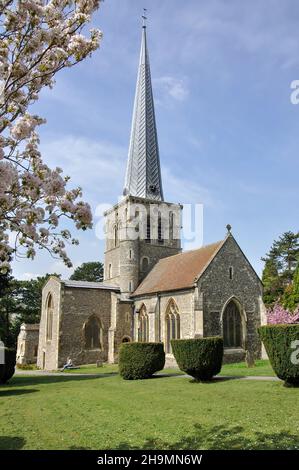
<point>93,333</point>
<point>131,286</point>
<point>232,326</point>
<point>144,264</point>
<point>110,271</point>
<point>126,339</point>
<point>50,313</point>
<point>172,325</point>
<point>143,325</point>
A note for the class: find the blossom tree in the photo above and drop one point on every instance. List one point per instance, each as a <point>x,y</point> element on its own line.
<point>279,315</point>
<point>37,39</point>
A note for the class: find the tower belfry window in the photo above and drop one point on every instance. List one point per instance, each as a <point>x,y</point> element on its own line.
<point>160,235</point>
<point>148,229</point>
<point>115,235</point>
<point>171,225</point>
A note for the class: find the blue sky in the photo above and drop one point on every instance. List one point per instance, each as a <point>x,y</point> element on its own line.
<point>228,133</point>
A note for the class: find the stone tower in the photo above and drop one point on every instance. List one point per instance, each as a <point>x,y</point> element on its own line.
<point>142,228</point>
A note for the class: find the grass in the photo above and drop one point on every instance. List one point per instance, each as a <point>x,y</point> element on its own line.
<point>262,368</point>
<point>106,412</point>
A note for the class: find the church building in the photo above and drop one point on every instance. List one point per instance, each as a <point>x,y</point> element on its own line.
<point>152,291</point>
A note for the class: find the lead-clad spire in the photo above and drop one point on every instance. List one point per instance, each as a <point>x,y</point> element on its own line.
<point>143,176</point>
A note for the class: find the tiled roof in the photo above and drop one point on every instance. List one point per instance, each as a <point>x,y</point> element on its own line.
<point>88,285</point>
<point>178,271</point>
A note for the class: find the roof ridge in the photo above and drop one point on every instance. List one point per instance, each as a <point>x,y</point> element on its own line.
<point>184,269</point>
<point>192,251</point>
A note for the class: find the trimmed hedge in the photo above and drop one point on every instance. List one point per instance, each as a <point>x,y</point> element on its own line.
<point>278,340</point>
<point>7,370</point>
<point>201,357</point>
<point>140,360</point>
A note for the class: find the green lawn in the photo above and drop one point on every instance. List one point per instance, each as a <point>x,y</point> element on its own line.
<point>40,412</point>
<point>262,368</point>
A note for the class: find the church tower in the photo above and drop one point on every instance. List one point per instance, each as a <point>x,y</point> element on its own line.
<point>142,228</point>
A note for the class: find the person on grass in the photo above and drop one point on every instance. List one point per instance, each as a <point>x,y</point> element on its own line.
<point>68,365</point>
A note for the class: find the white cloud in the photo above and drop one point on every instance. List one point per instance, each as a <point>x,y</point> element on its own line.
<point>96,166</point>
<point>174,87</point>
<point>185,190</point>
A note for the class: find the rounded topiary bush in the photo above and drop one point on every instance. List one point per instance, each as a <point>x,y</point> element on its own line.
<point>140,360</point>
<point>201,357</point>
<point>7,369</point>
<point>282,344</point>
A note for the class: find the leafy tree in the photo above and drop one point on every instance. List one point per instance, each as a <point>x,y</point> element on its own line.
<point>91,271</point>
<point>290,298</point>
<point>273,287</point>
<point>280,265</point>
<point>5,280</point>
<point>22,299</point>
<point>29,294</point>
<point>284,253</point>
<point>6,331</point>
<point>38,39</point>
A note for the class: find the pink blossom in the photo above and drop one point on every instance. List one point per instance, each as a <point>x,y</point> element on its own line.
<point>34,198</point>
<point>279,315</point>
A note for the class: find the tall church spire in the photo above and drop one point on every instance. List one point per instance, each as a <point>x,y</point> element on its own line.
<point>143,176</point>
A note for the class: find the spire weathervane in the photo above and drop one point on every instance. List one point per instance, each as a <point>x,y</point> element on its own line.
<point>144,17</point>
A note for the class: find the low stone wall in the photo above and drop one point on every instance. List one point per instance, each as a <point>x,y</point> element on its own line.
<point>27,348</point>
<point>233,355</point>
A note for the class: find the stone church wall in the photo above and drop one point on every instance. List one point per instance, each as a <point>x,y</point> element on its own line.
<point>48,349</point>
<point>184,301</point>
<point>156,308</point>
<point>124,325</point>
<point>78,305</point>
<point>218,289</point>
<point>27,348</point>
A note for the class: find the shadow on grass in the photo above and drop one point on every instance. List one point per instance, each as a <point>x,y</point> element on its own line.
<point>215,380</point>
<point>221,438</point>
<point>97,375</point>
<point>10,392</point>
<point>11,443</point>
<point>161,375</point>
<point>20,381</point>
